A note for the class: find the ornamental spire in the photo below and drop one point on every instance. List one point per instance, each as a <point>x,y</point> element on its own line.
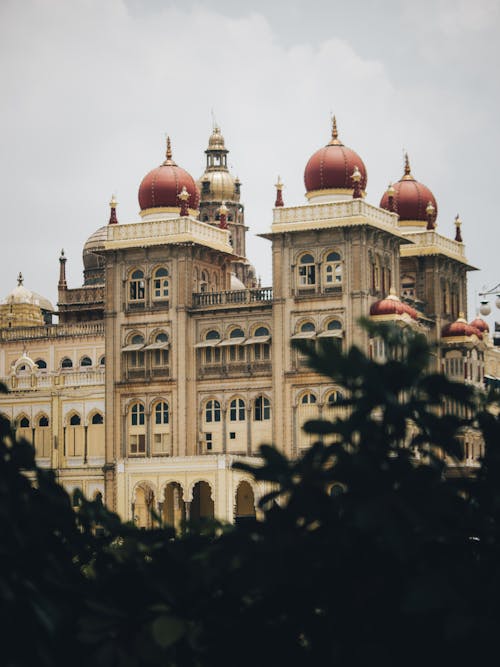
<point>407,175</point>
<point>356,179</point>
<point>62,271</point>
<point>335,134</point>
<point>168,153</point>
<point>184,196</point>
<point>113,220</point>
<point>458,231</point>
<point>430,210</point>
<point>20,279</point>
<point>279,193</point>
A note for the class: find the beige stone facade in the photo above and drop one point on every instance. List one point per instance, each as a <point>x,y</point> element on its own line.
<point>170,363</point>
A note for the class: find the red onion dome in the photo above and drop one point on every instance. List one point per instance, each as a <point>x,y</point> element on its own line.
<point>162,186</point>
<point>331,168</point>
<point>411,200</point>
<point>480,324</point>
<point>460,329</point>
<point>392,305</point>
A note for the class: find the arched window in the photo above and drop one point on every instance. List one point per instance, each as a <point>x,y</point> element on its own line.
<point>212,353</point>
<point>204,281</point>
<point>307,327</point>
<point>137,431</point>
<point>42,437</point>
<point>212,411</point>
<point>161,413</point>
<point>334,325</point>
<point>335,398</point>
<point>262,409</point>
<point>237,333</point>
<point>261,331</point>
<point>86,361</point>
<point>41,363</point>
<point>237,410</point>
<point>137,415</point>
<point>102,361</point>
<point>136,286</point>
<point>333,270</point>
<point>43,421</point>
<point>135,352</point>
<point>159,350</point>
<point>308,399</point>
<point>97,418</point>
<point>24,422</point>
<point>75,420</point>
<point>66,363</point>
<point>306,271</point>
<point>160,284</point>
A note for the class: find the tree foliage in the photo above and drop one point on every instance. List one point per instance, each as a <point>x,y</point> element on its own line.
<point>400,565</point>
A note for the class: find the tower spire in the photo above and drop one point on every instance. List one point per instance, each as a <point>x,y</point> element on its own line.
<point>279,193</point>
<point>335,134</point>
<point>62,271</point>
<point>20,279</point>
<point>407,174</point>
<point>113,220</point>
<point>168,154</point>
<point>458,231</point>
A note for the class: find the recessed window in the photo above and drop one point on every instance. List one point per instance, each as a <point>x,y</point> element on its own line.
<point>306,271</point>
<point>212,411</point>
<point>307,326</point>
<point>43,422</point>
<point>137,415</point>
<point>136,286</point>
<point>24,422</point>
<point>86,361</point>
<point>102,361</point>
<point>262,409</point>
<point>237,410</point>
<point>333,270</point>
<point>160,284</point>
<point>41,363</point>
<point>75,420</point>
<point>261,331</point>
<point>237,333</point>
<point>66,363</point>
<point>334,325</point>
<point>161,413</point>
<point>308,399</point>
<point>97,418</point>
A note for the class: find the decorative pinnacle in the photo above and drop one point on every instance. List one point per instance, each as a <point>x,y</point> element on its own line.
<point>390,190</point>
<point>113,202</point>
<point>458,232</point>
<point>279,193</point>
<point>278,185</point>
<point>183,194</point>
<point>335,134</point>
<point>112,216</point>
<point>430,209</point>
<point>168,154</point>
<point>356,175</point>
<point>62,254</point>
<point>223,209</point>
<point>20,279</point>
<point>407,165</point>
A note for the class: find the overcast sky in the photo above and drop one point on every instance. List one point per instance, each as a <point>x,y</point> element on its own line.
<point>91,87</point>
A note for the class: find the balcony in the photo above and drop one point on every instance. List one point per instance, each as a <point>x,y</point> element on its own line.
<point>257,296</point>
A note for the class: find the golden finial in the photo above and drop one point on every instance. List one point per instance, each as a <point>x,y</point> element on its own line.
<point>430,209</point>
<point>169,149</point>
<point>356,175</point>
<point>223,210</point>
<point>335,134</point>
<point>113,202</point>
<point>390,190</point>
<point>407,165</point>
<point>278,185</point>
<point>20,279</point>
<point>183,194</point>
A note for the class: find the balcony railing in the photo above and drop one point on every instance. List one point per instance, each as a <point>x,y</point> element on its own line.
<point>51,331</point>
<point>257,296</point>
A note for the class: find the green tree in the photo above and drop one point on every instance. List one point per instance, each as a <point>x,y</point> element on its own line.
<point>399,566</point>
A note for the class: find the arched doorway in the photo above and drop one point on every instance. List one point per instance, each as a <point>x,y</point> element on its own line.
<point>174,509</point>
<point>202,506</point>
<point>245,503</point>
<point>143,506</point>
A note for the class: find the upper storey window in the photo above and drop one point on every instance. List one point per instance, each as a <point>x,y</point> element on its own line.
<point>306,271</point>
<point>333,270</point>
<point>160,284</point>
<point>136,286</point>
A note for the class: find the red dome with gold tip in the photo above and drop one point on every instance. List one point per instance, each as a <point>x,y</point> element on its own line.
<point>411,199</point>
<point>161,187</point>
<point>459,329</point>
<point>480,324</point>
<point>392,305</point>
<point>332,166</point>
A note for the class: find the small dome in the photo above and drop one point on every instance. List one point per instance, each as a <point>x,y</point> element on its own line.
<point>330,169</point>
<point>460,329</point>
<point>480,324</point>
<point>161,186</point>
<point>411,199</point>
<point>216,141</point>
<point>221,186</point>
<point>236,282</point>
<point>392,305</point>
<point>91,260</point>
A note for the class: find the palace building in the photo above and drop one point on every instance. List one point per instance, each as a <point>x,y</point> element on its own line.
<point>170,362</point>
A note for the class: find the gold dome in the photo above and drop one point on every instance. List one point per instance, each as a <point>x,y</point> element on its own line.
<point>221,186</point>
<point>216,141</point>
